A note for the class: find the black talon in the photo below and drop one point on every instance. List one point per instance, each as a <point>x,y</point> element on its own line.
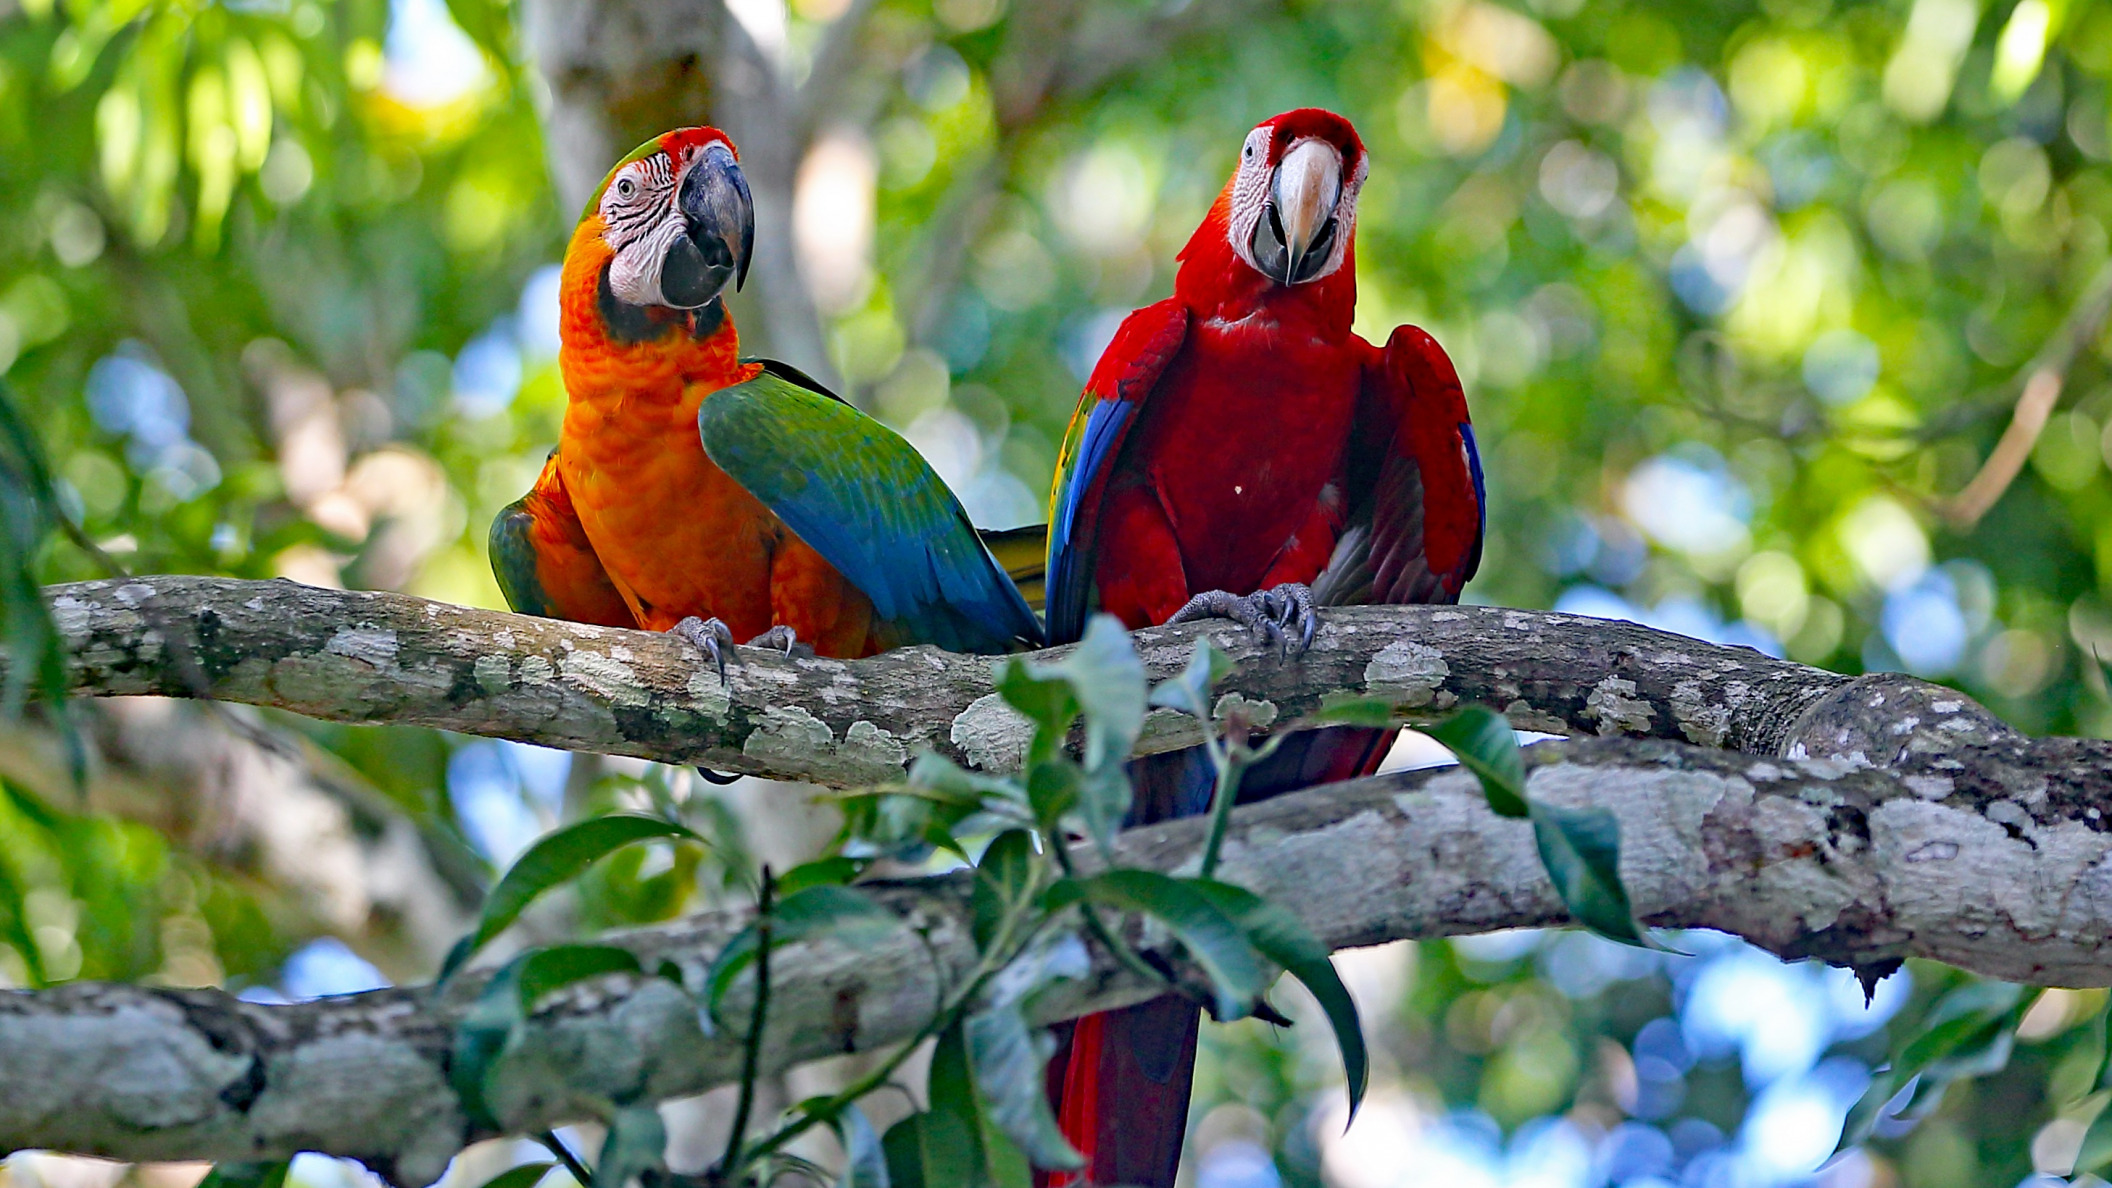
<point>709,636</point>
<point>718,777</point>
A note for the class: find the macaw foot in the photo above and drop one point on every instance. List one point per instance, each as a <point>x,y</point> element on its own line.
<point>784,637</point>
<point>1278,615</point>
<point>709,636</point>
<point>712,638</point>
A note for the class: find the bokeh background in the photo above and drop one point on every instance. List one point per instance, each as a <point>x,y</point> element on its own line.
<point>1745,297</point>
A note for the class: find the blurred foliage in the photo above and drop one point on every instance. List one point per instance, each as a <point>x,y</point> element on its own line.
<point>1741,292</point>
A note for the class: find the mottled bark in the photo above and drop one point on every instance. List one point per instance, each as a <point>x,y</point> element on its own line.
<point>1995,857</point>
<point>376,657</point>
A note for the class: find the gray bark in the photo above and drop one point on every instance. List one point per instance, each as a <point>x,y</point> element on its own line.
<point>1994,857</point>
<point>1860,820</point>
<point>353,656</point>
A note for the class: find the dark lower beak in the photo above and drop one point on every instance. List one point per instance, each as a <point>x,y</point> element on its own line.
<point>1289,263</point>
<point>720,236</point>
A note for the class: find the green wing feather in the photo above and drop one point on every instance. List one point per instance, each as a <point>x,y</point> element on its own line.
<point>871,506</point>
<point>513,561</point>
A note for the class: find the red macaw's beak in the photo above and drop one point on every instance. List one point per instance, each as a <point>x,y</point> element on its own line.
<point>720,234</point>
<point>1295,235</point>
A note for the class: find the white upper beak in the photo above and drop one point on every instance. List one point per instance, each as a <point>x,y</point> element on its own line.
<point>1308,184</point>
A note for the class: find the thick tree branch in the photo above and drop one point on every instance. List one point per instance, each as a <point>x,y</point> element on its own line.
<point>375,657</point>
<point>1995,857</point>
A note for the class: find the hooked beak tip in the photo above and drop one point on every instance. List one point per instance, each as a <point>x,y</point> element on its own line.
<point>715,200</point>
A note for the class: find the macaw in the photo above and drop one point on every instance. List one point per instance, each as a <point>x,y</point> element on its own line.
<point>696,491</point>
<point>1240,452</point>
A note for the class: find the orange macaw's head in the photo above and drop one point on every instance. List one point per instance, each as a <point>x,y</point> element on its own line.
<point>669,228</point>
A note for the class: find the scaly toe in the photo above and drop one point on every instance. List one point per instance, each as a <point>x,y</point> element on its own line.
<point>709,636</point>
<point>779,636</point>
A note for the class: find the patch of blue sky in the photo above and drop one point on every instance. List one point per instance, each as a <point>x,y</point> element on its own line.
<point>505,794</point>
<point>1925,626</point>
<point>488,371</point>
<point>324,967</point>
<point>1679,614</point>
<point>129,396</point>
<point>536,323</point>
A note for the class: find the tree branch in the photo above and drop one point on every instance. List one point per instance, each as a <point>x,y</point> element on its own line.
<point>1995,857</point>
<point>354,656</point>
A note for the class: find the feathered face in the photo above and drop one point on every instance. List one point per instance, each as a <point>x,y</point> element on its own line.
<point>678,220</point>
<point>1294,196</point>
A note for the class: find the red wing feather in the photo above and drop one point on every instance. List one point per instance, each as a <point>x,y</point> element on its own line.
<point>1417,505</point>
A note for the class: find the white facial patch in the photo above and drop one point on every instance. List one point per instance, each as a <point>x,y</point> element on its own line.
<point>641,223</point>
<point>1252,191</point>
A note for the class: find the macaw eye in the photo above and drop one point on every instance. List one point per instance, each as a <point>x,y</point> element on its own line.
<point>625,187</point>
<point>1250,152</point>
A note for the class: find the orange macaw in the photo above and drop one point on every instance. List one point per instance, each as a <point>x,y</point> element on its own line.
<point>718,497</point>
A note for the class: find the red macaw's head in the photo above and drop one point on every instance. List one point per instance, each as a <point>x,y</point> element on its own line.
<point>672,224</point>
<point>1292,209</point>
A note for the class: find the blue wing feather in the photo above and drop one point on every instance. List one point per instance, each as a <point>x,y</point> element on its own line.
<point>1124,377</point>
<point>1070,562</point>
<point>864,499</point>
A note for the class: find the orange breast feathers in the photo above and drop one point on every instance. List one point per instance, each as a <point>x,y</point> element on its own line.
<point>676,534</point>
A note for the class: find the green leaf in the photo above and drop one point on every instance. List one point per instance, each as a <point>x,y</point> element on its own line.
<point>852,916</point>
<point>1043,698</point>
<point>1101,678</point>
<point>545,971</point>
<point>1190,691</point>
<point>2103,1032</point>
<point>1052,792</point>
<point>2096,1152</point>
<point>526,1175</point>
<point>1968,1032</point>
<point>1008,1057</point>
<point>1581,849</point>
<point>821,872</point>
<point>1003,878</point>
<point>482,1036</point>
<point>1375,713</point>
<point>637,1143</point>
<point>951,1135</point>
<point>865,1162</point>
<point>1108,680</point>
<point>903,1145</point>
<point>1282,938</point>
<point>270,1174</point>
<point>29,638</point>
<point>1486,745</point>
<point>1213,939</point>
<point>954,783</point>
<point>556,858</point>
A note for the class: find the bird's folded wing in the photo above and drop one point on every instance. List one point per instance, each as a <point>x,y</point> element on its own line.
<point>864,499</point>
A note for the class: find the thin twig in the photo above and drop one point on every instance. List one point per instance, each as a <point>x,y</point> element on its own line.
<point>573,1166</point>
<point>752,1047</point>
<point>2044,378</point>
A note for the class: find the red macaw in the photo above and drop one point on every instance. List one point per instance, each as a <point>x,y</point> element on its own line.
<point>718,497</point>
<point>1240,452</point>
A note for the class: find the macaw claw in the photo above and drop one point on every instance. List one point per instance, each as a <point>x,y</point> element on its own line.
<point>784,637</point>
<point>709,636</point>
<point>1277,615</point>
